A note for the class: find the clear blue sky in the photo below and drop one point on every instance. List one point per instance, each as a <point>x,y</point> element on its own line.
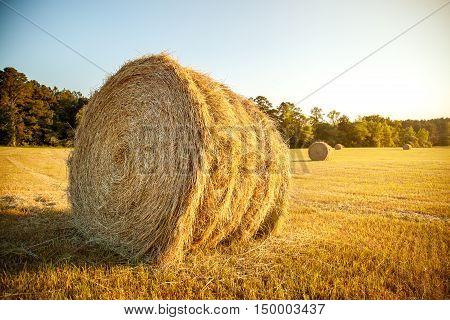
<point>280,49</point>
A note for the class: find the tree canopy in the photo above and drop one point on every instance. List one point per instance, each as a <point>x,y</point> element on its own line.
<point>300,130</point>
<point>34,114</point>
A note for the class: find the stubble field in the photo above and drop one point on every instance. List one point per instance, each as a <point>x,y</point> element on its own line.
<point>369,224</point>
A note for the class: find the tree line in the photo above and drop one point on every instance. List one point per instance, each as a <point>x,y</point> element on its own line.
<point>35,114</point>
<point>300,130</point>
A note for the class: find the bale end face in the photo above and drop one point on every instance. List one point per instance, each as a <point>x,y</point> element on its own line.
<point>319,151</point>
<point>338,147</point>
<point>407,146</point>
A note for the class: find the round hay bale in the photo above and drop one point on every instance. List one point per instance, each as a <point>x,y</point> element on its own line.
<point>319,151</point>
<point>166,160</point>
<point>338,147</point>
<point>407,146</point>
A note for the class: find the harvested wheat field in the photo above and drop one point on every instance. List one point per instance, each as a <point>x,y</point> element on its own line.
<point>370,224</point>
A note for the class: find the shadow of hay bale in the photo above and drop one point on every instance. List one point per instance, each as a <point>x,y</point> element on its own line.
<point>46,237</point>
<point>9,202</point>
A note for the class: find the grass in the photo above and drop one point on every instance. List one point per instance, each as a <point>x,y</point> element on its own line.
<point>370,224</point>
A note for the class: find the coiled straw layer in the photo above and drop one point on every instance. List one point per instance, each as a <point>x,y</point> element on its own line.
<point>166,160</point>
<point>407,146</point>
<point>319,151</point>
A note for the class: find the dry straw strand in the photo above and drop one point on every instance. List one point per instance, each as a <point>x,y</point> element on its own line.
<point>166,160</point>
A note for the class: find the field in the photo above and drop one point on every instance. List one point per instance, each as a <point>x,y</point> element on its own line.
<point>370,224</point>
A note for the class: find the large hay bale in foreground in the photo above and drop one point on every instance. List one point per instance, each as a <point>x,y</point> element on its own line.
<point>338,146</point>
<point>407,146</point>
<point>319,151</point>
<point>166,160</point>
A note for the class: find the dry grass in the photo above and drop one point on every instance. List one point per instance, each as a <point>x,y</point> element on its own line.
<point>371,223</point>
<point>167,160</point>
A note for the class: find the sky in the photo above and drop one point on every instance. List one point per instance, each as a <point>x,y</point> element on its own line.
<point>283,50</point>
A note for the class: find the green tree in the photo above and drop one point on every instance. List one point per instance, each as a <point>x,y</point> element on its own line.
<point>358,133</point>
<point>293,124</point>
<point>65,108</point>
<point>286,117</point>
<point>443,137</point>
<point>333,115</point>
<point>396,128</point>
<point>437,129</point>
<point>326,132</point>
<point>38,119</point>
<point>265,106</point>
<point>409,136</point>
<point>387,139</point>
<point>423,138</point>
<point>344,131</point>
<point>316,116</point>
<point>37,115</point>
<point>14,91</point>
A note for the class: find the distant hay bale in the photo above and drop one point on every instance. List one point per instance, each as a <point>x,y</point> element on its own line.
<point>407,146</point>
<point>166,160</point>
<point>319,151</point>
<point>338,146</point>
